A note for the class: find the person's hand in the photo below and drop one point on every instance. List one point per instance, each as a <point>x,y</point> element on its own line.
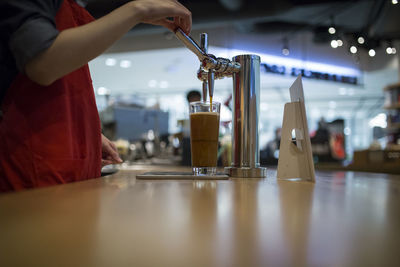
<point>159,12</point>
<point>109,152</point>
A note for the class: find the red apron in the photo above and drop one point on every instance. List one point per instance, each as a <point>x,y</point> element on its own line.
<point>51,135</point>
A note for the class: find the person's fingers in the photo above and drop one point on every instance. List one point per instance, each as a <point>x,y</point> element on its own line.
<point>112,153</point>
<point>109,160</point>
<point>109,152</point>
<point>116,157</point>
<point>182,17</point>
<point>181,22</point>
<point>185,23</point>
<point>112,159</point>
<point>178,22</point>
<point>167,24</point>
<point>172,25</point>
<point>106,162</point>
<point>114,147</point>
<point>186,20</point>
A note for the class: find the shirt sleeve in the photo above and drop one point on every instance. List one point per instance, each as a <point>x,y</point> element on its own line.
<point>28,27</point>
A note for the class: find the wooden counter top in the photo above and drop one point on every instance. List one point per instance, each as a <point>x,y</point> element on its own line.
<point>344,219</point>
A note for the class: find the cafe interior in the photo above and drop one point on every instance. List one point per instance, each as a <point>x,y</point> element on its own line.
<point>344,50</point>
<point>328,195</point>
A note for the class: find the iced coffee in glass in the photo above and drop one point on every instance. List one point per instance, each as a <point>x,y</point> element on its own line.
<point>204,130</point>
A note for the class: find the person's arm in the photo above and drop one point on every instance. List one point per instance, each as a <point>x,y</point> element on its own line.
<point>75,47</point>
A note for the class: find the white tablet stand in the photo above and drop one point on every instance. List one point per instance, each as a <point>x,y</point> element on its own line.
<point>295,154</point>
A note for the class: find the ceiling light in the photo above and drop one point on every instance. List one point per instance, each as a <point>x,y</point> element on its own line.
<point>342,91</point>
<point>103,91</point>
<point>111,62</point>
<point>152,83</point>
<point>264,106</point>
<point>334,44</point>
<point>371,53</point>
<point>285,48</point>
<point>332,30</point>
<point>379,120</point>
<point>125,64</point>
<point>164,84</point>
<point>339,42</point>
<point>390,50</point>
<point>361,40</point>
<point>353,49</point>
<point>285,51</point>
<point>394,2</point>
<point>331,114</point>
<point>315,113</point>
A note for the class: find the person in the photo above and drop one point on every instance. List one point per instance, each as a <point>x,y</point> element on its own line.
<point>269,155</point>
<point>320,142</point>
<point>191,96</point>
<point>49,125</point>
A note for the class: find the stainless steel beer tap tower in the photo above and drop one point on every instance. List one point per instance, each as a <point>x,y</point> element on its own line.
<point>245,70</point>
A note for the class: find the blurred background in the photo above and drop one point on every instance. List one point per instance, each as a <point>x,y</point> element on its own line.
<point>347,52</point>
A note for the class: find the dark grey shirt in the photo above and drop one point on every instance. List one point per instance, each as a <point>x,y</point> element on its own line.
<point>27,27</point>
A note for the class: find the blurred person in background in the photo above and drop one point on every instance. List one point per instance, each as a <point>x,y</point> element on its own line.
<point>193,96</point>
<point>49,125</point>
<point>320,142</point>
<point>270,154</point>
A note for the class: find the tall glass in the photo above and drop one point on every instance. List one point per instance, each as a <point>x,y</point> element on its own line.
<point>204,130</point>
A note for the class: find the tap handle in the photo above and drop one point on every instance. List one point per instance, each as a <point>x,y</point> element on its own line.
<point>204,42</point>
<point>211,77</point>
<point>191,44</point>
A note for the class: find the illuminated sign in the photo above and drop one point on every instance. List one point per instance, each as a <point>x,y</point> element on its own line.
<point>282,70</point>
<point>294,67</point>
